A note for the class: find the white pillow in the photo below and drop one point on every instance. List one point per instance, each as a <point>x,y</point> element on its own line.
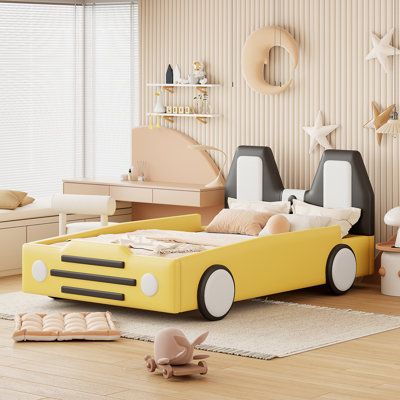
<point>279,207</point>
<point>300,222</point>
<point>344,217</point>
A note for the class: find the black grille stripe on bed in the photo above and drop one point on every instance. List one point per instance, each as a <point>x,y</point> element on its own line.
<point>99,262</point>
<point>93,277</point>
<point>93,293</point>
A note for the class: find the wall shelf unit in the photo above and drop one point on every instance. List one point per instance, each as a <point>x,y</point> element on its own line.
<point>170,117</point>
<point>169,87</point>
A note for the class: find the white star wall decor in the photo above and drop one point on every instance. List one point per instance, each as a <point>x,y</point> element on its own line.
<point>382,49</point>
<point>319,132</point>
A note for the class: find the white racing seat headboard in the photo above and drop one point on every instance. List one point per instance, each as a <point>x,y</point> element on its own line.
<point>340,181</point>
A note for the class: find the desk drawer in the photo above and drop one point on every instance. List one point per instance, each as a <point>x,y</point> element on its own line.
<point>176,197</point>
<point>139,195</point>
<point>86,188</point>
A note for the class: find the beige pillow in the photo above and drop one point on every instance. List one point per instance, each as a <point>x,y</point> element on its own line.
<point>276,224</point>
<point>277,207</point>
<point>244,222</point>
<point>26,200</point>
<point>344,217</point>
<point>11,199</point>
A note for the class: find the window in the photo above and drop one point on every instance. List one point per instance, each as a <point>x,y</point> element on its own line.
<point>68,77</point>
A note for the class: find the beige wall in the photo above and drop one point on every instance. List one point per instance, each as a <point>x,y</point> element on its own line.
<point>334,38</point>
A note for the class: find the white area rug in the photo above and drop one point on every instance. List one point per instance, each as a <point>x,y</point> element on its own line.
<point>258,329</point>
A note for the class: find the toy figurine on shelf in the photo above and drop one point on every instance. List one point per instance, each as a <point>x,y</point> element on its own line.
<point>173,354</point>
<point>198,75</point>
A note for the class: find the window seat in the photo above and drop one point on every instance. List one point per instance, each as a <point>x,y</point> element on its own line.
<point>37,221</point>
<point>40,208</point>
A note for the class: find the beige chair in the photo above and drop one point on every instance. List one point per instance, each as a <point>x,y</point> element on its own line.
<point>82,204</point>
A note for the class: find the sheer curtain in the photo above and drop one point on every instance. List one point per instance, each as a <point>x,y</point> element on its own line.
<point>68,84</point>
<point>40,129</point>
<point>111,86</point>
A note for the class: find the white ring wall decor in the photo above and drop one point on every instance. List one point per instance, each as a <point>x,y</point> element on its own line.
<point>255,55</point>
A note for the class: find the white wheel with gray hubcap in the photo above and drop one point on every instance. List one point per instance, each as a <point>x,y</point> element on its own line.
<point>215,293</point>
<point>341,269</point>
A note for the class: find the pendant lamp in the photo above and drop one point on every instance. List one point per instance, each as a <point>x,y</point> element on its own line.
<point>392,127</point>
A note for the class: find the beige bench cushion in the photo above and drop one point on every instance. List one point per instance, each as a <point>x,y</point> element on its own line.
<point>65,326</point>
<point>41,207</point>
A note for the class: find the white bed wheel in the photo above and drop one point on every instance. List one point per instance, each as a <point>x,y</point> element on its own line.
<point>341,269</point>
<point>216,293</point>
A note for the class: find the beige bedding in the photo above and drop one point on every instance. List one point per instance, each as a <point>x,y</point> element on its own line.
<point>167,243</point>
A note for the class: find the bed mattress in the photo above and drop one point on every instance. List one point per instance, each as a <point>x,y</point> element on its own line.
<point>166,243</point>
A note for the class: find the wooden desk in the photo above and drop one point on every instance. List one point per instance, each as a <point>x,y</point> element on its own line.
<point>154,199</point>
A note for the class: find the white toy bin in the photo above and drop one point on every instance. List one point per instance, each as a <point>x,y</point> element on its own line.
<point>390,273</point>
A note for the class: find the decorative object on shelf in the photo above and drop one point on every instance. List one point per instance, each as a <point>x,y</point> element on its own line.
<point>169,109</point>
<point>219,180</point>
<point>382,49</point>
<point>130,174</point>
<point>181,110</point>
<point>196,104</point>
<point>169,75</point>
<point>256,52</point>
<point>188,110</point>
<point>176,74</point>
<point>140,167</point>
<point>173,354</point>
<point>201,104</point>
<point>150,125</point>
<point>199,72</point>
<point>198,75</point>
<point>174,110</point>
<point>159,107</point>
<point>380,117</point>
<point>319,132</point>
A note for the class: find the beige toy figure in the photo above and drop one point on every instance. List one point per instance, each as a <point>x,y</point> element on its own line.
<point>173,354</point>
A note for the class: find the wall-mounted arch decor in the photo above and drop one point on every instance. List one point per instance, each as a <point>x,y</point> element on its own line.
<point>255,55</point>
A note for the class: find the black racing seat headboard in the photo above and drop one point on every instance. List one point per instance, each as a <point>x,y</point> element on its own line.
<point>341,181</point>
<point>360,193</point>
<point>266,170</point>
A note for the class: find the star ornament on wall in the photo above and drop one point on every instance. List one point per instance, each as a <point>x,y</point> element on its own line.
<point>381,50</point>
<point>319,132</point>
<point>380,117</point>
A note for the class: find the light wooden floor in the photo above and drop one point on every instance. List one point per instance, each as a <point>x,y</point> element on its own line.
<point>367,368</point>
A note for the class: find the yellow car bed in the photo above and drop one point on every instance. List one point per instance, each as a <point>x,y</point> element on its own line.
<point>80,268</point>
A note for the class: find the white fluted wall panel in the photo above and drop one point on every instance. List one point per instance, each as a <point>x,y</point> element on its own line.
<point>332,75</point>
